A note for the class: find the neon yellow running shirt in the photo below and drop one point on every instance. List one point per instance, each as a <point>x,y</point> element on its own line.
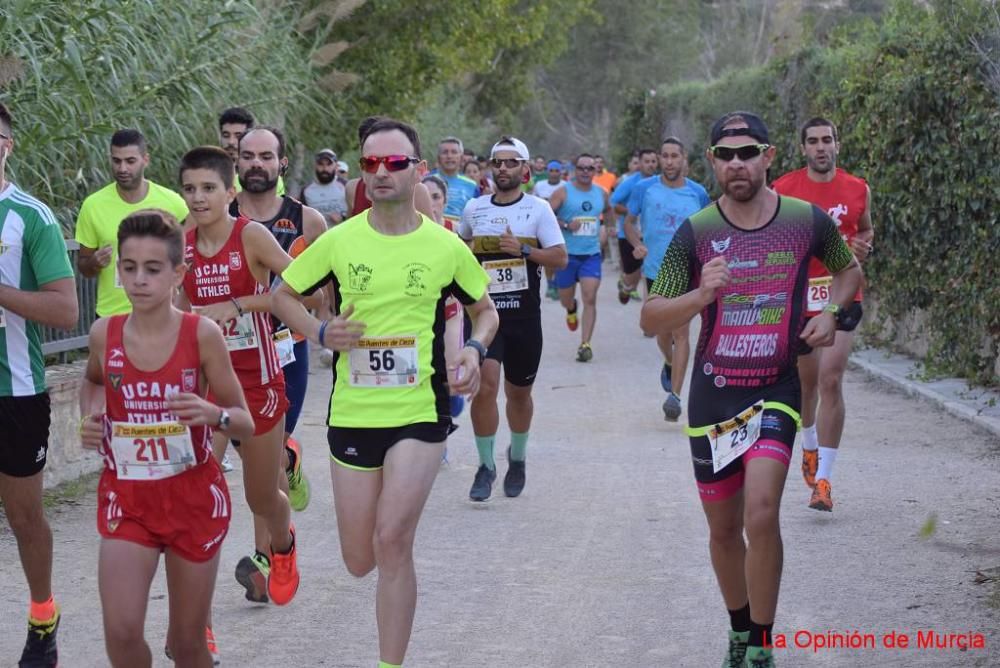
<point>396,374</point>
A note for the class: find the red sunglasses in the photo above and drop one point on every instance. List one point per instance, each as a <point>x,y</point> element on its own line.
<point>393,163</point>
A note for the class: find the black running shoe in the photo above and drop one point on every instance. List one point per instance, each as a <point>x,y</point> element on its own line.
<point>513,482</point>
<point>482,486</point>
<point>252,572</point>
<point>40,648</point>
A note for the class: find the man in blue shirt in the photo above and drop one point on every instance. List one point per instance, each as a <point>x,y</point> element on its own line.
<point>579,205</point>
<point>660,204</point>
<point>649,161</point>
<point>461,189</point>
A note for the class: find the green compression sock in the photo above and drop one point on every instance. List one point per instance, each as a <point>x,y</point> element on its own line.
<point>484,444</point>
<point>518,446</point>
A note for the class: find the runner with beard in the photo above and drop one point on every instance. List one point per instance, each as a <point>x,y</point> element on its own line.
<point>102,212</point>
<point>326,194</point>
<point>847,199</point>
<point>513,236</point>
<point>233,124</point>
<point>261,161</point>
<point>744,400</point>
<point>659,205</point>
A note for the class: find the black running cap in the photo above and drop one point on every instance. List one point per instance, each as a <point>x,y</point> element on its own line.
<point>755,127</point>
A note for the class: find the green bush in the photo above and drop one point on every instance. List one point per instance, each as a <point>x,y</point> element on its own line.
<point>74,71</point>
<point>917,120</point>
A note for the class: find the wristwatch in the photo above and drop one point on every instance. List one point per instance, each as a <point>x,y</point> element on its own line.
<point>223,420</point>
<point>525,250</point>
<point>479,348</point>
<point>832,308</point>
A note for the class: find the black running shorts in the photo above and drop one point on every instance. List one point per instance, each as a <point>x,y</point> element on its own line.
<point>24,434</point>
<point>365,448</point>
<point>518,347</point>
<point>629,264</point>
<point>847,321</point>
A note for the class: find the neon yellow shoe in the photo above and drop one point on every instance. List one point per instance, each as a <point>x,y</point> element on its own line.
<point>298,484</point>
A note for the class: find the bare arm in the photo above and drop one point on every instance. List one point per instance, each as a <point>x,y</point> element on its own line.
<point>609,212</point>
<point>665,314</point>
<point>90,261</point>
<point>313,224</point>
<point>634,236</point>
<point>54,304</point>
<point>821,330</point>
<point>92,405</point>
<point>484,327</point>
<point>861,244</point>
<point>349,190</point>
<point>556,201</point>
<point>225,387</point>
<point>553,257</point>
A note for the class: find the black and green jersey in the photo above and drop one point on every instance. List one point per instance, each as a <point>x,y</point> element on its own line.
<point>750,334</point>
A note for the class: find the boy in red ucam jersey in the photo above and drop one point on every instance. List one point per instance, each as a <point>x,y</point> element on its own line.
<point>228,264</point>
<point>144,410</point>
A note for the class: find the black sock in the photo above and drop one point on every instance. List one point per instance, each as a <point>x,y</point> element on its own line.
<point>739,620</point>
<point>572,310</point>
<point>292,458</point>
<point>760,634</point>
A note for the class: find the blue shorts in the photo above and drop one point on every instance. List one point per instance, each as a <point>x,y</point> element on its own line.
<point>296,380</point>
<point>580,266</point>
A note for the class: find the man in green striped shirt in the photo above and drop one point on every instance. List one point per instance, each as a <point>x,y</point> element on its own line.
<point>37,288</point>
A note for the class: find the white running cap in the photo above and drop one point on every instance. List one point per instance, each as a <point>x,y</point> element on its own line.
<point>511,144</point>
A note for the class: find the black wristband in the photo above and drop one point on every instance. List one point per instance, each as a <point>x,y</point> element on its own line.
<point>478,347</point>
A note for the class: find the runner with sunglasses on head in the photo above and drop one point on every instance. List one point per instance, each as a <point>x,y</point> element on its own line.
<point>513,235</point>
<point>847,199</point>
<point>659,205</point>
<point>392,270</point>
<point>578,206</point>
<point>742,264</point>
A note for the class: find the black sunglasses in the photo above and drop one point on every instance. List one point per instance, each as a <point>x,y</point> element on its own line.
<point>744,152</point>
<point>509,163</point>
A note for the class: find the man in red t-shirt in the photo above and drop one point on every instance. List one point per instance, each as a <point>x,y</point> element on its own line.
<point>847,199</point>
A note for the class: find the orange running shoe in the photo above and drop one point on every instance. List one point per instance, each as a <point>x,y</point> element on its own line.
<point>213,649</point>
<point>810,462</point>
<point>283,581</point>
<point>572,321</point>
<point>821,499</point>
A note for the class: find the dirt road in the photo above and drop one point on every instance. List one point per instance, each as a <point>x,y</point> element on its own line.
<point>603,561</point>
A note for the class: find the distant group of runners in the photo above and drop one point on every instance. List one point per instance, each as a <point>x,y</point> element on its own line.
<point>210,300</point>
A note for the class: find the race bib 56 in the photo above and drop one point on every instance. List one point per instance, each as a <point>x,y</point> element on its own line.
<point>385,361</point>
